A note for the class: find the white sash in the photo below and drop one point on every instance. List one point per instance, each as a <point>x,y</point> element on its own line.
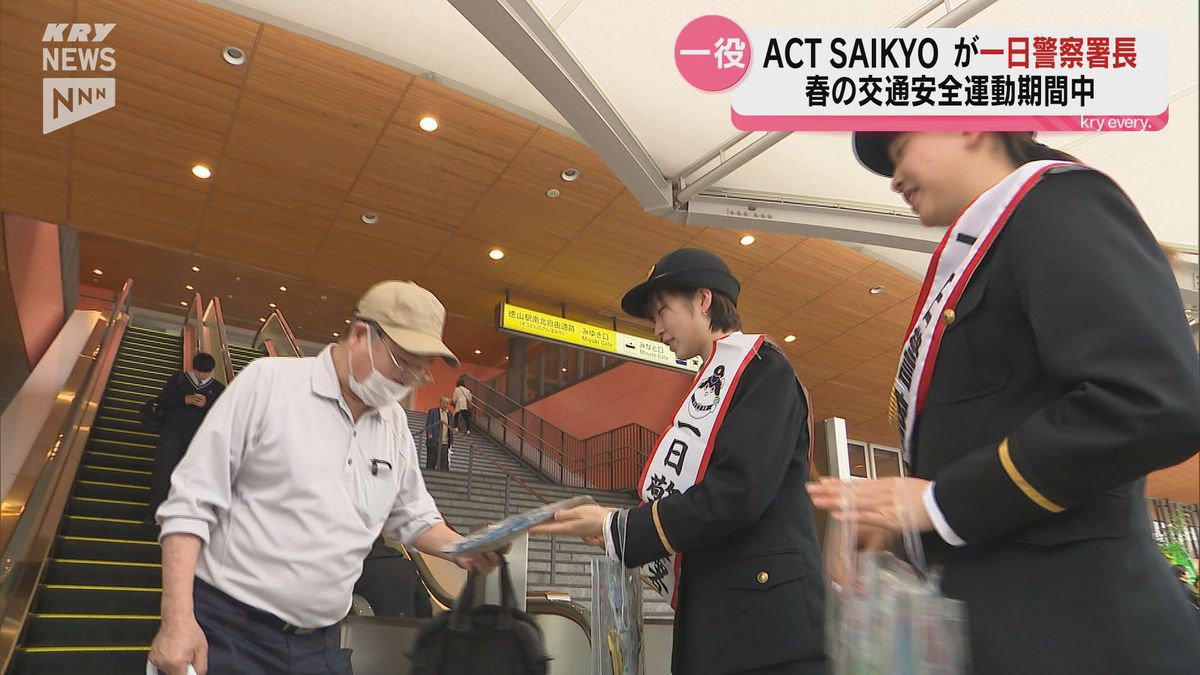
<point>964,246</point>
<point>681,456</point>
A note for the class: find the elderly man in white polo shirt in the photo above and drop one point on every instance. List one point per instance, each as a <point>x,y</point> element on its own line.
<point>292,476</point>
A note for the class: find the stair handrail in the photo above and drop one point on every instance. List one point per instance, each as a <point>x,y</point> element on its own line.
<point>273,331</point>
<point>216,342</point>
<point>578,466</point>
<point>36,501</point>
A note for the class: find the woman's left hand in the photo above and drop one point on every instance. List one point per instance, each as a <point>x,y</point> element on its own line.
<point>874,501</point>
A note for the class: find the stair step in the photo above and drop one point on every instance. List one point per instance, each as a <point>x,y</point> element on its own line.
<point>103,573</point>
<point>107,548</point>
<point>87,599</point>
<point>97,661</point>
<point>62,629</point>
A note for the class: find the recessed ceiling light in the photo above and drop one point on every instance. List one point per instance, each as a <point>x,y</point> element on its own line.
<point>335,334</point>
<point>789,338</point>
<point>271,305</point>
<point>283,288</point>
<point>201,171</point>
<point>183,303</point>
<point>234,56</point>
<point>324,297</point>
<point>347,322</point>
<point>876,290</point>
<point>98,271</point>
<point>262,319</point>
<point>195,269</point>
<point>747,240</point>
<point>570,175</point>
<point>495,254</point>
<point>429,124</point>
<point>190,287</point>
<point>553,193</point>
<point>564,370</point>
<point>370,218</point>
<point>478,351</point>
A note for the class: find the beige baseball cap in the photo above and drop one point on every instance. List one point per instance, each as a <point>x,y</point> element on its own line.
<point>410,315</point>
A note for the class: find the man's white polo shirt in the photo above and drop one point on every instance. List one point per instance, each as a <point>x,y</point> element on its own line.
<point>278,483</point>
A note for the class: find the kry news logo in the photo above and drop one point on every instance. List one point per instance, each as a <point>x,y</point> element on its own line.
<point>66,100</point>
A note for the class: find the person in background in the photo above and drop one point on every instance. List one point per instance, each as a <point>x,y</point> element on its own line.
<point>462,406</point>
<point>185,400</point>
<point>391,584</point>
<point>1048,368</point>
<point>439,436</point>
<point>1189,589</point>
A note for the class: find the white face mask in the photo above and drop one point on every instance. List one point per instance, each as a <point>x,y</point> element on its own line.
<point>376,391</point>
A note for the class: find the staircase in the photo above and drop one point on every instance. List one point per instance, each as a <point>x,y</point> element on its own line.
<point>486,504</point>
<point>97,607</point>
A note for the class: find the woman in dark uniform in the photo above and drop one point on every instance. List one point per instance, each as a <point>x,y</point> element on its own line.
<point>1047,370</point>
<point>725,528</point>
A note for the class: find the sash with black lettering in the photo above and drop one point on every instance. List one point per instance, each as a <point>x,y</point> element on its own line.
<point>962,249</point>
<point>681,456</point>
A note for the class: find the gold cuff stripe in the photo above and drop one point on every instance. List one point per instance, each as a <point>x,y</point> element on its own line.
<point>1016,477</point>
<point>658,526</point>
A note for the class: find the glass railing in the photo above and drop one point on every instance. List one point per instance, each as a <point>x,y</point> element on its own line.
<point>275,337</point>
<point>34,504</point>
<point>214,340</point>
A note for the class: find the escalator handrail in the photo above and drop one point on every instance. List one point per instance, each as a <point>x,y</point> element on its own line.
<point>220,350</point>
<point>276,322</point>
<point>28,542</point>
<point>192,331</point>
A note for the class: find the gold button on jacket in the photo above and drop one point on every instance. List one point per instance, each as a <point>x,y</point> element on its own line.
<point>762,577</point>
<point>948,316</point>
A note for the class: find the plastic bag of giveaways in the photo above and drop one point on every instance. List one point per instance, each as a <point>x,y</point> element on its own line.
<point>616,615</point>
<point>887,616</point>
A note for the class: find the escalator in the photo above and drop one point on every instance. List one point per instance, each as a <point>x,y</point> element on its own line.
<point>241,357</point>
<point>96,608</point>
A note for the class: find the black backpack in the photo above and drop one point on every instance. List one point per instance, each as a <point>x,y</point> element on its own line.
<point>151,416</point>
<point>483,640</point>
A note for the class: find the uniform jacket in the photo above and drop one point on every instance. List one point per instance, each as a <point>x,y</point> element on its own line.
<point>180,417</point>
<point>751,592</point>
<point>1065,375</point>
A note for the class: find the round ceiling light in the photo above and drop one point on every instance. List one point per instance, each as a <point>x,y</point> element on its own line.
<point>201,171</point>
<point>98,271</point>
<point>234,56</point>
<point>283,288</point>
<point>789,338</point>
<point>195,269</point>
<point>496,254</point>
<point>190,287</point>
<point>876,290</point>
<point>570,175</point>
<point>428,124</point>
<point>370,218</point>
<point>553,193</point>
<point>747,240</point>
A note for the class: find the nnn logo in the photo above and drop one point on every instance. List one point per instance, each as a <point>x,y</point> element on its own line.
<point>75,48</point>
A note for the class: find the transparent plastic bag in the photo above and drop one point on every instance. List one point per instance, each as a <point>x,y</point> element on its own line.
<point>887,616</point>
<point>616,615</point>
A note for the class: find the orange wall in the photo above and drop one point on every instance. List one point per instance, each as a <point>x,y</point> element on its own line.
<point>444,378</point>
<point>631,392</point>
<point>35,271</point>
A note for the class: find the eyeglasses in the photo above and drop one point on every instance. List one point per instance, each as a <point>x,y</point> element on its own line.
<point>415,377</point>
